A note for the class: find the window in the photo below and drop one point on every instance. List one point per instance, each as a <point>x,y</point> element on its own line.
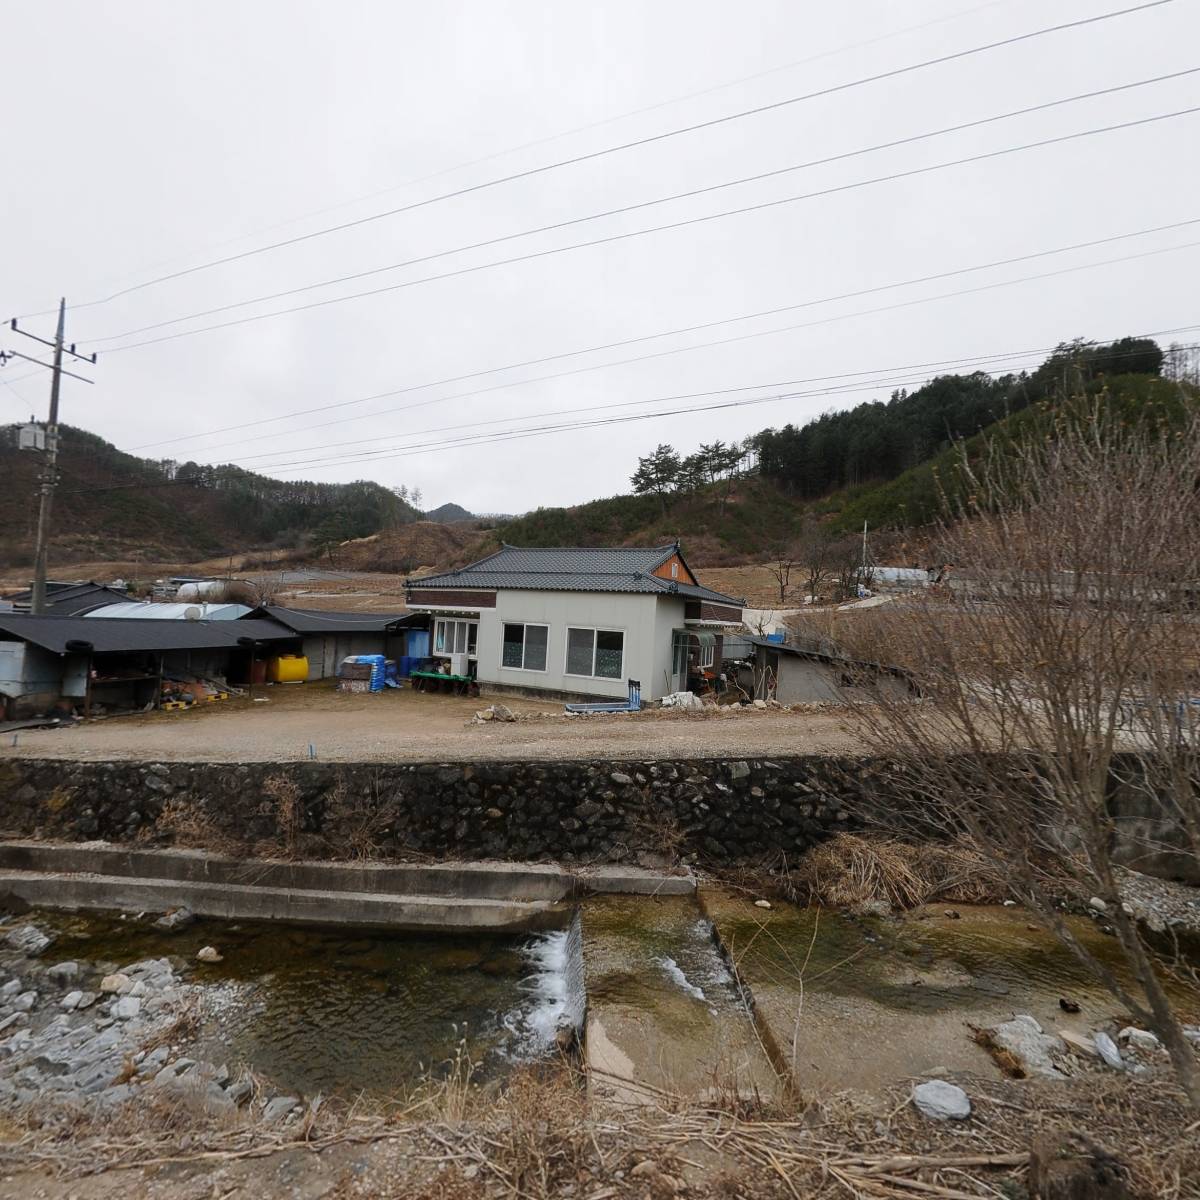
<point>707,655</point>
<point>525,647</point>
<point>598,653</point>
<point>674,570</point>
<point>679,655</point>
<point>455,637</point>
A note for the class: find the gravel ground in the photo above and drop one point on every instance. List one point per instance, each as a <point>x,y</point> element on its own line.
<point>408,726</point>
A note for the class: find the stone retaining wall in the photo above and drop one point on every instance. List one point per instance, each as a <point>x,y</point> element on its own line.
<point>571,811</point>
<point>698,810</point>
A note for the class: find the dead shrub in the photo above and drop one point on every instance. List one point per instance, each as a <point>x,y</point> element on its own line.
<point>185,822</point>
<point>857,873</point>
<point>283,803</point>
<point>356,824</point>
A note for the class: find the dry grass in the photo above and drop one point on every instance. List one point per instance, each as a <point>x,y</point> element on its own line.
<point>284,804</point>
<point>859,873</point>
<point>537,1139</point>
<point>184,821</point>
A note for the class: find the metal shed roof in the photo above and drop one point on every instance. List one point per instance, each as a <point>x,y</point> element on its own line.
<point>312,621</point>
<point>108,637</point>
<point>571,569</point>
<point>138,611</point>
<point>72,599</point>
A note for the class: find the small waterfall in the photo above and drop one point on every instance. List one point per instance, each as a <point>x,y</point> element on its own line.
<point>557,996</point>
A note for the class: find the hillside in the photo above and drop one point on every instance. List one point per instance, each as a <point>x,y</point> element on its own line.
<point>884,464</point>
<point>406,549</point>
<point>447,514</point>
<point>113,505</point>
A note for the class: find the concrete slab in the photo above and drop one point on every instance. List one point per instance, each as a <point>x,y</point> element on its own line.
<point>664,1016</point>
<point>301,906</point>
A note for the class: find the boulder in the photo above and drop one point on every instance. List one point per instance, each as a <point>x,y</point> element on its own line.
<point>941,1101</point>
<point>70,1001</point>
<point>29,940</point>
<point>63,972</point>
<point>126,1008</point>
<point>208,954</point>
<point>1033,1050</point>
<point>175,920</point>
<point>278,1107</point>
<point>1107,1049</point>
<point>1139,1039</point>
<point>116,985</point>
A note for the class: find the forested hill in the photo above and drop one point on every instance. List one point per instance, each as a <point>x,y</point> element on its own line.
<point>113,505</point>
<point>731,503</point>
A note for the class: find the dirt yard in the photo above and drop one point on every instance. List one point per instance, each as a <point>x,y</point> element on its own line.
<point>411,726</point>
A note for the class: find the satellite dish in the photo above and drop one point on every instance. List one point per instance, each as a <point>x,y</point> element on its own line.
<point>193,612</point>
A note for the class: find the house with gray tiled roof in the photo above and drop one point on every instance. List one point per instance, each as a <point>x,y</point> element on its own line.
<point>577,621</point>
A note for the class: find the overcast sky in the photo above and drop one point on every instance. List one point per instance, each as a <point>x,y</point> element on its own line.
<point>141,139</point>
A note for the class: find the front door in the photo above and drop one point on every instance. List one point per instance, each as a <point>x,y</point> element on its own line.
<point>679,661</point>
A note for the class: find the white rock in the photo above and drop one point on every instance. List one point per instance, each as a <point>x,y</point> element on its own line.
<point>762,904</point>
<point>117,984</point>
<point>208,954</point>
<point>25,1001</point>
<point>1107,1049</point>
<point>70,1001</point>
<point>1140,1039</point>
<point>1079,1043</point>
<point>1097,905</point>
<point>126,1008</point>
<point>1192,1033</point>
<point>1034,1049</point>
<point>941,1101</point>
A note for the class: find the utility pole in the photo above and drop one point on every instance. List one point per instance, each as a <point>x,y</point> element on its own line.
<point>48,479</point>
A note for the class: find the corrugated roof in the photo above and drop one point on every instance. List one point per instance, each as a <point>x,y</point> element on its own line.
<point>175,611</point>
<point>312,620</point>
<point>72,599</point>
<point>571,569</point>
<point>106,637</point>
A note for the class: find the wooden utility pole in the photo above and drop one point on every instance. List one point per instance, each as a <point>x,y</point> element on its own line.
<point>48,479</point>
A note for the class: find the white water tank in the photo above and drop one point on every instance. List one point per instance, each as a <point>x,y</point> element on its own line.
<point>460,664</point>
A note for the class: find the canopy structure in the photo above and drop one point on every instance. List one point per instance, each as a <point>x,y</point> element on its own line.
<point>704,637</point>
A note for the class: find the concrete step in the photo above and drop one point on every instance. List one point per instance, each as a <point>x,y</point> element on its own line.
<point>494,880</point>
<point>309,906</point>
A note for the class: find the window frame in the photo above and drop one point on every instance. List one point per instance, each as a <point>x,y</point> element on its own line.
<point>524,626</point>
<point>449,625</point>
<point>708,656</point>
<point>595,631</point>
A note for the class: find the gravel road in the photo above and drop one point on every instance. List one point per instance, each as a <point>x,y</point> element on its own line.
<point>408,726</point>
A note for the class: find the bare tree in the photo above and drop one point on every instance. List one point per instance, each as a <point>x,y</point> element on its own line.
<point>1063,667</point>
<point>783,563</point>
<point>815,551</point>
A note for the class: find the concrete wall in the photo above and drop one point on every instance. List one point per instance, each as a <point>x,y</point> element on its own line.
<point>645,620</point>
<point>30,678</point>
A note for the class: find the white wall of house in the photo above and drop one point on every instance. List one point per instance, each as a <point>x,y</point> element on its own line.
<point>645,621</point>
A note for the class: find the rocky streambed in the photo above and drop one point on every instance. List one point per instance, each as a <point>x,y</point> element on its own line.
<point>680,995</point>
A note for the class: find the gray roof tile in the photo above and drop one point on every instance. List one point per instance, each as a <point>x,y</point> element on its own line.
<point>571,569</point>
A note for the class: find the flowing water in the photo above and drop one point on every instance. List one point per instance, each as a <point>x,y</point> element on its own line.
<point>676,994</point>
<point>324,1010</point>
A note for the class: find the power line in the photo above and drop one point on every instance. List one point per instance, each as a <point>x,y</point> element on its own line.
<point>645,141</point>
<point>626,342</point>
<point>924,300</point>
<point>643,204</point>
<point>554,137</point>
<point>541,431</point>
<point>1012,360</point>
<point>681,224</point>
